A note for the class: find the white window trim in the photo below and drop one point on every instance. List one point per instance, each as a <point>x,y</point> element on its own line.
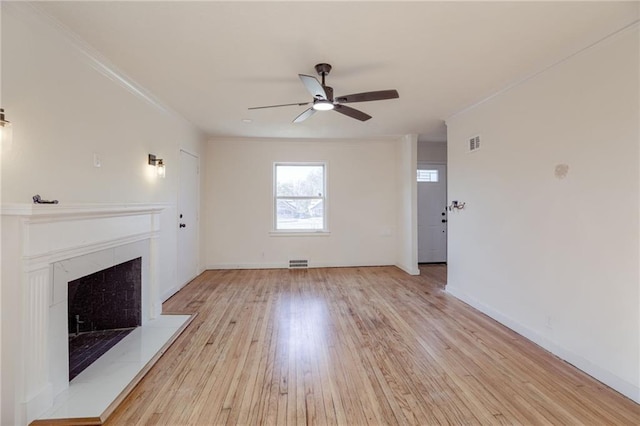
<point>301,232</point>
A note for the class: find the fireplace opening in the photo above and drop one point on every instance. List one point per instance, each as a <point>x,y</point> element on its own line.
<point>102,309</point>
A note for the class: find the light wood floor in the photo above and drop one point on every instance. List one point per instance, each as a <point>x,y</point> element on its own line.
<point>355,346</point>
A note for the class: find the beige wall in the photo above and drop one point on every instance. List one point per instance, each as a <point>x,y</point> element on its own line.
<point>432,152</point>
<point>66,106</point>
<point>556,257</point>
<point>64,110</point>
<point>362,207</point>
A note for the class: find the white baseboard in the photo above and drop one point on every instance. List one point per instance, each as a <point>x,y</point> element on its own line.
<point>215,266</point>
<point>167,294</point>
<point>37,404</point>
<point>619,384</point>
<point>285,265</point>
<point>411,270</point>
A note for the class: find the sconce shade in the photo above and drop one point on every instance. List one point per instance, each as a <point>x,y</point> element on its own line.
<point>158,163</point>
<point>161,168</point>
<point>5,131</point>
<point>3,121</point>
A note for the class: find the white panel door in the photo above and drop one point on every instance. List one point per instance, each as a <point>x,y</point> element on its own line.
<point>432,213</point>
<point>188,202</point>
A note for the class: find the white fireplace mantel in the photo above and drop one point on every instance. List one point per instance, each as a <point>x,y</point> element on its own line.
<point>70,209</point>
<point>34,239</point>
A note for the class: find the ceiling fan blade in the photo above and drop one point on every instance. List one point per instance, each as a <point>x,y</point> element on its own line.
<point>368,96</point>
<point>313,86</point>
<point>351,112</point>
<point>281,105</point>
<point>306,114</point>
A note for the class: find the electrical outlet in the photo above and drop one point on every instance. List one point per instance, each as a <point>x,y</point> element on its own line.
<point>548,323</point>
<point>96,160</point>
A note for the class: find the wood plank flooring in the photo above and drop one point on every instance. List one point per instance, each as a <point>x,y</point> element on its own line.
<point>355,346</point>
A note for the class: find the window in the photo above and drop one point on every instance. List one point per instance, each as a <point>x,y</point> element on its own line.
<point>299,196</point>
<point>427,175</point>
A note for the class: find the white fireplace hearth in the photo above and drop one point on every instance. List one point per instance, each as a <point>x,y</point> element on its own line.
<point>43,248</point>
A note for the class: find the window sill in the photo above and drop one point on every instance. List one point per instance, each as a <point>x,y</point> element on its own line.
<point>299,233</point>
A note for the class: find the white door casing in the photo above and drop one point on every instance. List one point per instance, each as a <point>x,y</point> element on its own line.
<point>188,220</point>
<point>432,215</point>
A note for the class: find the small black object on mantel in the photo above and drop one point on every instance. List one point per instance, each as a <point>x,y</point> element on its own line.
<point>37,199</point>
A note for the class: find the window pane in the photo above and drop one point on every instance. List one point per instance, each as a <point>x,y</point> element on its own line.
<point>299,181</point>
<point>428,175</point>
<point>299,214</point>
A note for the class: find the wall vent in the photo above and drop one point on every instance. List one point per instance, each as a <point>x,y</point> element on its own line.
<point>474,143</point>
<point>298,264</point>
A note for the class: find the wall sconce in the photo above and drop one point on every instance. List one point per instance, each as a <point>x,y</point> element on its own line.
<point>158,163</point>
<point>5,130</point>
<point>456,205</point>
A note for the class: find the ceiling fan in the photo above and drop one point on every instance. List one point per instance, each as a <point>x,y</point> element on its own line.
<point>323,99</point>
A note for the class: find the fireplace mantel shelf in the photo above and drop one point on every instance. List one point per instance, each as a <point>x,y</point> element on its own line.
<point>73,209</point>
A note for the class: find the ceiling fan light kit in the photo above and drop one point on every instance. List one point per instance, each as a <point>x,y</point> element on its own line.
<point>322,105</point>
<point>323,99</point>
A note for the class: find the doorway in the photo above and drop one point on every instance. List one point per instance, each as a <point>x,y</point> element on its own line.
<point>188,206</point>
<point>432,213</point>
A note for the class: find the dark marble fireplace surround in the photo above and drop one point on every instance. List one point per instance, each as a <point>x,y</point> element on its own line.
<point>102,308</point>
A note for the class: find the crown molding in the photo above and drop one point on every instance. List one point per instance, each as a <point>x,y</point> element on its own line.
<point>627,28</point>
<point>31,13</point>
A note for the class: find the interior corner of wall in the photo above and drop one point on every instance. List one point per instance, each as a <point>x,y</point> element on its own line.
<point>411,270</point>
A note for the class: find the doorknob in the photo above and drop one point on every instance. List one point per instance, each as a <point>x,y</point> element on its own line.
<point>444,220</point>
<point>182,225</point>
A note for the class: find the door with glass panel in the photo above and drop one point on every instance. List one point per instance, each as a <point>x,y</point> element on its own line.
<point>432,213</point>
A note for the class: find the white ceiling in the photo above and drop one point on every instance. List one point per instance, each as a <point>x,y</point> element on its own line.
<point>210,61</point>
